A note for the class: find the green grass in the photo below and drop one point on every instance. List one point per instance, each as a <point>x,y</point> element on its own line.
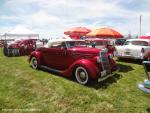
<point>23,89</point>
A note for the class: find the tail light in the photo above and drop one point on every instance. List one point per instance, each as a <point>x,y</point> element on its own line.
<point>142,50</point>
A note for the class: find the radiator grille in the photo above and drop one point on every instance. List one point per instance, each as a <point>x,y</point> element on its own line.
<point>105,62</point>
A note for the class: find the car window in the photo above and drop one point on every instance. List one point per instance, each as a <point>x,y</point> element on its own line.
<point>127,43</point>
<point>138,43</point>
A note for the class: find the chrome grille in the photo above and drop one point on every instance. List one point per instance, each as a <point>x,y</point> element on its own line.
<point>105,61</point>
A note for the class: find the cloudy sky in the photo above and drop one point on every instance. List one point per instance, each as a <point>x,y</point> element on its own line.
<point>51,18</point>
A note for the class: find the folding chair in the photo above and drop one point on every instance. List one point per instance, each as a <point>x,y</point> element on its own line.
<point>146,65</point>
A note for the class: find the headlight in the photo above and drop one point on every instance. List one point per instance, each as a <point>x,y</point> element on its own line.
<point>105,49</point>
<point>111,56</point>
<point>98,59</point>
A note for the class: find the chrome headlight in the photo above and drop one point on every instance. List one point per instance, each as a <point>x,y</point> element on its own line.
<point>111,56</point>
<point>105,49</point>
<point>98,59</point>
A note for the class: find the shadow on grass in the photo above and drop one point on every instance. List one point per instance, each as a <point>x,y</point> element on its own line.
<point>135,61</point>
<point>94,84</point>
<point>124,68</point>
<point>148,110</point>
<point>106,83</point>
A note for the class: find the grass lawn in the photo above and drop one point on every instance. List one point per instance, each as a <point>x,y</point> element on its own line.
<point>25,90</point>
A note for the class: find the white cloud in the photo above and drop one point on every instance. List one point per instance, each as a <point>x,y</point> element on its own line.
<point>53,17</point>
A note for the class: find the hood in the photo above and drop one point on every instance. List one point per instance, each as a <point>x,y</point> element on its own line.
<point>86,50</point>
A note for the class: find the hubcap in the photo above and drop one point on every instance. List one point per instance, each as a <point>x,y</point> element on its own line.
<point>81,75</point>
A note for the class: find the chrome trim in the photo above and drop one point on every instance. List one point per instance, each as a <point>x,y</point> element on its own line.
<point>105,62</point>
<point>109,75</point>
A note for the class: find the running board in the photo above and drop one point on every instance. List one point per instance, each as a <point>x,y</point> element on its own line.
<point>51,69</point>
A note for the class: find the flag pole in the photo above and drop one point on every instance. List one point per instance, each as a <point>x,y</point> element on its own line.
<point>140,23</point>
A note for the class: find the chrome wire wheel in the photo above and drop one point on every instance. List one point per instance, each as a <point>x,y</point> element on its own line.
<point>34,63</point>
<point>81,75</point>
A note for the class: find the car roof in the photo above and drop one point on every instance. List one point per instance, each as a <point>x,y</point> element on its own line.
<point>50,42</point>
<point>92,39</point>
<point>62,40</point>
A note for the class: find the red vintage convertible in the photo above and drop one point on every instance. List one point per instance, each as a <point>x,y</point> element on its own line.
<point>21,47</point>
<point>74,58</point>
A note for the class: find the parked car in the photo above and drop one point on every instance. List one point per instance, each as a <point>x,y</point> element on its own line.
<point>21,47</point>
<point>120,41</point>
<point>74,58</point>
<point>134,49</point>
<point>101,44</point>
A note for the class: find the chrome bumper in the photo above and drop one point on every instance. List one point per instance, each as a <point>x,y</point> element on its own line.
<point>104,76</point>
<point>141,56</point>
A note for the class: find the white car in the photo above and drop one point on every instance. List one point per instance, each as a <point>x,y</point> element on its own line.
<point>134,49</point>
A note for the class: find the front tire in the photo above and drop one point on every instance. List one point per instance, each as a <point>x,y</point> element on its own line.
<point>34,63</point>
<point>82,75</point>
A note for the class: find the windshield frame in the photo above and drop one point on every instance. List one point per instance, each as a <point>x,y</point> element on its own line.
<point>75,44</point>
<point>136,43</point>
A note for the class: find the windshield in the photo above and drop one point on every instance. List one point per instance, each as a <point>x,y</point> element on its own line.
<point>138,43</point>
<point>17,41</point>
<point>71,44</point>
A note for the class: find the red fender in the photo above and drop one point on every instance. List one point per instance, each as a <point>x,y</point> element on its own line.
<point>35,54</point>
<point>91,68</point>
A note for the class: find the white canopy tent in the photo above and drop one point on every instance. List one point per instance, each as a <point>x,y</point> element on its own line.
<point>21,32</point>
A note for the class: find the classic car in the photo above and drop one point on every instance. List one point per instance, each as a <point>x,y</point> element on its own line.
<point>21,47</point>
<point>134,49</point>
<point>101,43</point>
<point>120,41</point>
<point>73,58</point>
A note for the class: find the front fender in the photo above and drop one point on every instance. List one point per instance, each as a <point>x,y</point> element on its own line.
<point>35,54</point>
<point>90,66</point>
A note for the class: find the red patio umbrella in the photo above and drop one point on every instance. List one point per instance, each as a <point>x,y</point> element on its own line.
<point>77,32</point>
<point>105,33</point>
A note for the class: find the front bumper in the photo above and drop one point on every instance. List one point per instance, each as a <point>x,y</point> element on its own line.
<point>104,76</point>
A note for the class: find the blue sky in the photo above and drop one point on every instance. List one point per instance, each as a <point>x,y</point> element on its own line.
<point>51,18</point>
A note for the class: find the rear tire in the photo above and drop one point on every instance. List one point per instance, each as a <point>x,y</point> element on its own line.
<point>82,75</point>
<point>34,63</point>
<point>5,51</point>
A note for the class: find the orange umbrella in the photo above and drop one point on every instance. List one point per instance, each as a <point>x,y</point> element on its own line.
<point>77,32</point>
<point>105,33</point>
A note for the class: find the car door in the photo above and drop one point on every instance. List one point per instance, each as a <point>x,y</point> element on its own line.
<point>55,55</point>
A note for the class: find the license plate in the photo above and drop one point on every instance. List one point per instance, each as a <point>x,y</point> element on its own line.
<point>127,53</point>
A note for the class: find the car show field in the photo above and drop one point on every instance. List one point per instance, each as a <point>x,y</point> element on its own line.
<point>23,89</point>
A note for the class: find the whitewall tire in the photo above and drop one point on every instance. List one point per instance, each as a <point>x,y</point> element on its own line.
<point>34,63</point>
<point>81,75</point>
